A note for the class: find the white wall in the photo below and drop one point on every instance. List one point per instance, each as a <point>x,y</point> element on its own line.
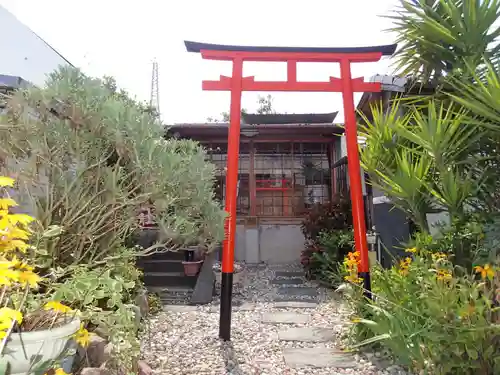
<point>23,53</point>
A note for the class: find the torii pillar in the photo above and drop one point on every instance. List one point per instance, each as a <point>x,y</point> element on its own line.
<point>236,84</point>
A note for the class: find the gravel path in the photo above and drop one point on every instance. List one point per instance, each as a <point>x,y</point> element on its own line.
<point>183,340</point>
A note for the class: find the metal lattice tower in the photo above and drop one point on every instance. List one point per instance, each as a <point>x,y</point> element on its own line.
<point>155,90</point>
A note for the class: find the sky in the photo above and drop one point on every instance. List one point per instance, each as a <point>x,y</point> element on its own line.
<point>122,38</point>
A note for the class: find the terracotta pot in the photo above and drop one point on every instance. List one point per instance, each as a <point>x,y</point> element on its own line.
<point>192,268</point>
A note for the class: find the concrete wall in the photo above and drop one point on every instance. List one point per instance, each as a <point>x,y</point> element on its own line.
<point>23,53</point>
<point>269,242</point>
<point>280,243</point>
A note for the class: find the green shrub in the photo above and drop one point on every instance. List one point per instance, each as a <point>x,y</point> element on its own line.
<point>434,317</point>
<point>327,217</point>
<point>332,247</point>
<point>88,158</point>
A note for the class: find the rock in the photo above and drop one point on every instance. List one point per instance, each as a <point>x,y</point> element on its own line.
<point>96,353</point>
<point>144,368</point>
<point>95,371</point>
<point>102,331</point>
<point>141,300</point>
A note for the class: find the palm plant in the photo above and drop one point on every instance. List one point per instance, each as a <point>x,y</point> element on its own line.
<point>440,37</point>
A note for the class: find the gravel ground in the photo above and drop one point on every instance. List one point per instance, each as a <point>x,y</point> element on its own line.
<point>187,343</point>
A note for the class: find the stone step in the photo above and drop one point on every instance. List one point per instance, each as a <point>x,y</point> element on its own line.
<point>285,318</point>
<point>291,299</point>
<point>169,279</point>
<point>307,334</point>
<point>318,358</point>
<point>297,291</point>
<point>289,274</point>
<point>172,295</point>
<point>162,265</point>
<point>179,308</point>
<point>288,281</point>
<point>295,305</point>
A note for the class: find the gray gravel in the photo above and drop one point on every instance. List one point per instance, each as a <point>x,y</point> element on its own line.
<point>184,340</point>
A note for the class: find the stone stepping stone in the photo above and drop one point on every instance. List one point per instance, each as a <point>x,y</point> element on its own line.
<point>285,318</point>
<point>295,305</point>
<point>318,358</point>
<point>289,274</point>
<point>298,291</point>
<point>296,299</point>
<point>246,306</point>
<point>292,281</point>
<point>307,334</point>
<point>179,308</point>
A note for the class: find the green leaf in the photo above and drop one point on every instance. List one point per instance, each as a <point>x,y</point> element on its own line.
<point>372,340</point>
<point>52,231</point>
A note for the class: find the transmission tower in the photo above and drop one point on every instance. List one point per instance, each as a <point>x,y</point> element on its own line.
<point>155,90</point>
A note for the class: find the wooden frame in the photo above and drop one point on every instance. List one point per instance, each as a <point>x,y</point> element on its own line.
<point>252,180</point>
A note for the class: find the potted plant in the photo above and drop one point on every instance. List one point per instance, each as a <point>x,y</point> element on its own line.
<point>193,259</point>
<point>35,335</point>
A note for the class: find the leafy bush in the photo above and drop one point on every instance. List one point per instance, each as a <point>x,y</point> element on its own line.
<point>104,297</point>
<point>326,229</point>
<point>327,217</point>
<point>88,159</point>
<point>332,247</point>
<point>434,317</point>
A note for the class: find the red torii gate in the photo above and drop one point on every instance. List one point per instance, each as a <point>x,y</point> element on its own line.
<point>236,84</point>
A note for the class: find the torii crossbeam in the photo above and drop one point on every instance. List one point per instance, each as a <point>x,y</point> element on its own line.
<point>237,83</point>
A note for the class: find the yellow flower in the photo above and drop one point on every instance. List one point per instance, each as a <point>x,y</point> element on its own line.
<point>8,314</point>
<point>57,306</point>
<point>443,274</point>
<point>82,336</point>
<point>412,250</point>
<point>353,278</point>
<point>438,256</point>
<point>356,320</point>
<point>22,219</point>
<point>13,245</point>
<point>29,278</point>
<point>60,371</point>
<point>6,181</point>
<point>404,265</point>
<point>486,271</point>
<point>6,203</point>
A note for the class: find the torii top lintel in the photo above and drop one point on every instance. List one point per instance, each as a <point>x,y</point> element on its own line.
<point>291,55</point>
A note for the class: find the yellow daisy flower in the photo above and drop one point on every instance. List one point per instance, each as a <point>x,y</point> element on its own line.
<point>82,336</point>
<point>6,203</point>
<point>6,181</point>
<point>486,271</point>
<point>57,306</point>
<point>6,314</point>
